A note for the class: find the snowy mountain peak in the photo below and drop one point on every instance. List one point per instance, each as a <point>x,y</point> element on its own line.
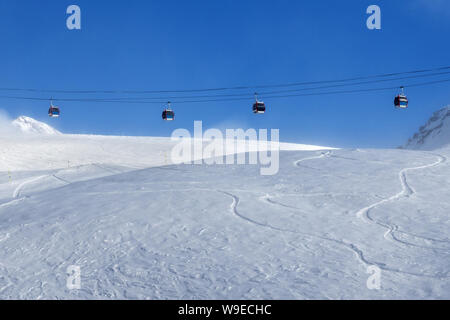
<point>433,135</point>
<point>30,125</point>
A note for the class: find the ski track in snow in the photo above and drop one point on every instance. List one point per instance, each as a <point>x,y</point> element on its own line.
<point>18,190</point>
<point>268,199</point>
<point>61,179</point>
<point>351,246</point>
<point>406,191</point>
<point>106,169</point>
<point>322,155</point>
<point>12,202</point>
<point>234,210</point>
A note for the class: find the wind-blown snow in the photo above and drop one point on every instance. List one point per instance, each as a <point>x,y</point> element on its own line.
<point>30,125</point>
<point>141,228</point>
<point>433,135</point>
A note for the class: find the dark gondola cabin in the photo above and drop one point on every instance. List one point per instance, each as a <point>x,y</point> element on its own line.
<point>53,112</point>
<point>401,101</point>
<point>259,107</point>
<point>168,115</point>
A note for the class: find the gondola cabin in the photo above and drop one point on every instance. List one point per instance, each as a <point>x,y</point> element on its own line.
<point>259,107</point>
<point>401,101</point>
<point>168,115</point>
<point>53,112</point>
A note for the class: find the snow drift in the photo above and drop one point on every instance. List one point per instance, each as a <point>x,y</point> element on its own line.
<point>30,125</point>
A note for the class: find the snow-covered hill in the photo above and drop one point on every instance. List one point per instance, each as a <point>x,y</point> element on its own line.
<point>435,134</point>
<point>139,227</point>
<point>42,152</point>
<point>30,125</point>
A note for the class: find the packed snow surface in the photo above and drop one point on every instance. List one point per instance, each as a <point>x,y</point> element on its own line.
<point>140,227</point>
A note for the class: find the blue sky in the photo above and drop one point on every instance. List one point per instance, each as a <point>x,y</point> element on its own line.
<point>165,45</point>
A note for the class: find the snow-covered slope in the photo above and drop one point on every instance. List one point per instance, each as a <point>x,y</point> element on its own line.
<point>138,227</point>
<point>30,125</point>
<point>48,148</point>
<point>435,134</point>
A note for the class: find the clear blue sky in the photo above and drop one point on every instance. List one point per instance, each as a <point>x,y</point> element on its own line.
<point>159,45</point>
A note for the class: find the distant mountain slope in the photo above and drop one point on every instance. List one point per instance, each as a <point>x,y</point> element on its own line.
<point>29,125</point>
<point>433,135</point>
